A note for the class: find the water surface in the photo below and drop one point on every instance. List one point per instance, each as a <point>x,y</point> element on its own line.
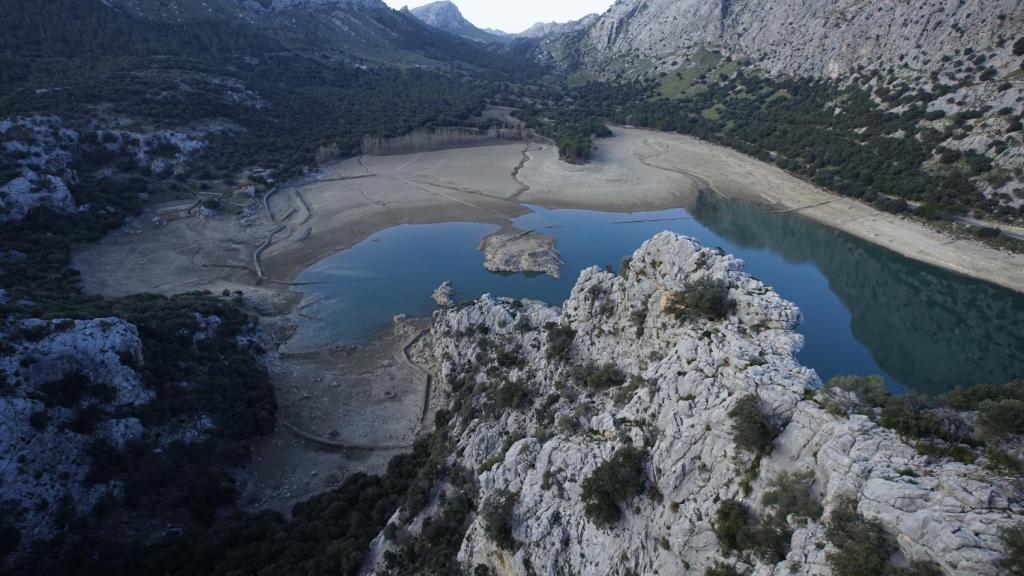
<point>867,310</point>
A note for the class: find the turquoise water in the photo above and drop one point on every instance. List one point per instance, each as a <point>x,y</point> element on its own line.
<point>867,310</point>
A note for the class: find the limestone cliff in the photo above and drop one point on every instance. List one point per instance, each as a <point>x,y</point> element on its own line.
<point>539,398</point>
<point>800,37</point>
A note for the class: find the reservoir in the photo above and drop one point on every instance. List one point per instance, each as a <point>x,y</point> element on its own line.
<point>866,310</point>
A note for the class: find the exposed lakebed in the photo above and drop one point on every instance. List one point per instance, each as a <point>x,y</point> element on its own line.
<point>866,310</point>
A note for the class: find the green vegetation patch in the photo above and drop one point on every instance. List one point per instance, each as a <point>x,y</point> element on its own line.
<point>612,483</point>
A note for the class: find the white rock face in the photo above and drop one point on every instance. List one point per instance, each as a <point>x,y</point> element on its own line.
<point>687,377</point>
<point>43,451</point>
<point>800,37</point>
<point>30,191</point>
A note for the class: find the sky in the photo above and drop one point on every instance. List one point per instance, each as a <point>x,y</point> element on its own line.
<point>517,15</point>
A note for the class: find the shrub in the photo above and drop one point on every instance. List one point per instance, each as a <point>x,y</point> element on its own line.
<point>971,398</point>
<point>793,493</point>
<point>498,520</point>
<point>511,396</point>
<point>732,526</point>
<point>869,389</point>
<point>1013,541</point>
<point>721,569</point>
<point>560,340</point>
<point>600,377</point>
<point>998,419</point>
<point>1002,462</point>
<point>705,298</point>
<point>613,482</point>
<point>915,568</point>
<point>908,418</point>
<point>752,429</point>
<point>862,546</point>
<point>957,452</point>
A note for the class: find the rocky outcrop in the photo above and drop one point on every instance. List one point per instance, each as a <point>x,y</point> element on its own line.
<point>64,381</point>
<point>444,296</point>
<point>540,397</point>
<point>521,251</point>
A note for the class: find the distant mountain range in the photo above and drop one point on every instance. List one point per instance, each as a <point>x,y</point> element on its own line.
<point>445,15</point>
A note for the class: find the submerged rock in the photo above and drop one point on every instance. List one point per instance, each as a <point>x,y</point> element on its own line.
<point>540,397</point>
<point>518,251</point>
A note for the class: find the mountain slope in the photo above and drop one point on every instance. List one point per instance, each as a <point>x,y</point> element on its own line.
<point>951,72</point>
<point>799,37</point>
<point>446,16</point>
<point>543,29</point>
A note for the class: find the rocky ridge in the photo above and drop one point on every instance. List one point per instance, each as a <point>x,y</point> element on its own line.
<point>62,370</point>
<point>528,415</point>
<point>824,39</point>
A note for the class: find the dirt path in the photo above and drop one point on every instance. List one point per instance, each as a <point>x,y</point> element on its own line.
<point>521,186</point>
<point>661,151</point>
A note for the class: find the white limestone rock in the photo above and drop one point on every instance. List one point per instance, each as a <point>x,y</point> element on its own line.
<point>686,378</point>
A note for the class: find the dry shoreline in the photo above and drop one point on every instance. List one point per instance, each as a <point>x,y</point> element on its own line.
<point>636,170</point>
<point>340,394</point>
<point>734,174</point>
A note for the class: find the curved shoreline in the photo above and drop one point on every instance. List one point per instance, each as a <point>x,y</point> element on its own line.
<point>636,170</point>
<point>727,169</point>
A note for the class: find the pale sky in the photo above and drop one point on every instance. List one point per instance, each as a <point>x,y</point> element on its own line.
<point>517,15</point>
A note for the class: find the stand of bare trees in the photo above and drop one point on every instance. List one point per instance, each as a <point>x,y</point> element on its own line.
<point>438,138</point>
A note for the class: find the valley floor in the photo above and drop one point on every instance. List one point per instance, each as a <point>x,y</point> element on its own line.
<point>345,202</point>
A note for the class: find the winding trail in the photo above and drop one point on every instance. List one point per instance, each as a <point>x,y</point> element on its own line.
<point>523,187</point>
<point>429,377</point>
<point>646,161</point>
<point>259,251</point>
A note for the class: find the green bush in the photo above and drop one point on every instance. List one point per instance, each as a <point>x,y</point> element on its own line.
<point>869,389</point>
<point>1002,462</point>
<point>862,546</point>
<point>616,480</point>
<point>498,519</point>
<point>705,298</point>
<point>597,377</point>
<point>511,396</point>
<point>721,569</point>
<point>752,429</point>
<point>910,419</point>
<point>971,398</point>
<point>793,493</point>
<point>560,339</point>
<point>732,526</point>
<point>1013,540</point>
<point>1000,418</point>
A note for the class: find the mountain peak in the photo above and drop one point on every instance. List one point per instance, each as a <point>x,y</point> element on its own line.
<point>445,15</point>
